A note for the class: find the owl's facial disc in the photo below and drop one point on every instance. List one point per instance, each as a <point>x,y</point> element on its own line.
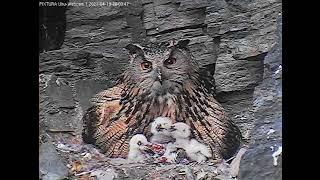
<point>160,68</point>
<point>169,73</point>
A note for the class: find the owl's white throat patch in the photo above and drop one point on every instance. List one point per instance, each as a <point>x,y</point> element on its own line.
<point>161,89</point>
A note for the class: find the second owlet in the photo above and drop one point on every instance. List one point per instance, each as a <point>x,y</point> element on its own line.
<point>161,79</point>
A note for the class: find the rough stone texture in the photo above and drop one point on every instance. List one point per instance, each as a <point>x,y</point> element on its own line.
<point>268,115</point>
<point>235,36</point>
<point>50,163</point>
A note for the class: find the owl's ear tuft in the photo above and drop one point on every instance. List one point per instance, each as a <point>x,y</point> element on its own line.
<point>133,48</point>
<point>182,44</point>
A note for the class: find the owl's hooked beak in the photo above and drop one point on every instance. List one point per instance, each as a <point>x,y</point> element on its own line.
<point>159,75</point>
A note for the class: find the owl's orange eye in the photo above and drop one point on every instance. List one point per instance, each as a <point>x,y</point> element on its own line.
<point>170,61</point>
<point>146,65</point>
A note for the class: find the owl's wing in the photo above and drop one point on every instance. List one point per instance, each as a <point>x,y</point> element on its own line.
<point>99,129</point>
<point>112,138</point>
<point>112,94</point>
<point>206,74</point>
<point>215,129</point>
<point>104,106</point>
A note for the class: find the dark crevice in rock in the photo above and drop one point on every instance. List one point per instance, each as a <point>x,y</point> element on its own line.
<point>216,50</point>
<point>237,34</point>
<point>145,3</point>
<point>238,106</point>
<point>210,68</point>
<point>180,28</point>
<point>134,19</point>
<point>259,57</point>
<point>67,108</point>
<point>107,18</point>
<point>221,96</point>
<point>207,74</point>
<point>52,26</point>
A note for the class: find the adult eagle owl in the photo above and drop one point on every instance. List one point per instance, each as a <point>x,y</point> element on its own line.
<point>161,79</point>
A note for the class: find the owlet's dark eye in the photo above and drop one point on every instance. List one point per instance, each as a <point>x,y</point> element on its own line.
<point>170,61</point>
<point>146,65</point>
<point>139,143</point>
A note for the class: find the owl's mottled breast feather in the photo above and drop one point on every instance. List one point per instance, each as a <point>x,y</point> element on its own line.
<point>105,106</point>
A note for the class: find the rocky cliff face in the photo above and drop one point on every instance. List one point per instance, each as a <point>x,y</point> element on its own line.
<point>266,148</point>
<point>230,38</point>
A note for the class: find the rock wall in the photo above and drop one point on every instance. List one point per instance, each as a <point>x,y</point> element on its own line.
<point>234,36</point>
<point>230,37</point>
<point>265,150</point>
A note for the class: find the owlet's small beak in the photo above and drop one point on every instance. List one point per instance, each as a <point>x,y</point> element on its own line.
<point>144,147</point>
<point>172,128</point>
<point>159,128</point>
